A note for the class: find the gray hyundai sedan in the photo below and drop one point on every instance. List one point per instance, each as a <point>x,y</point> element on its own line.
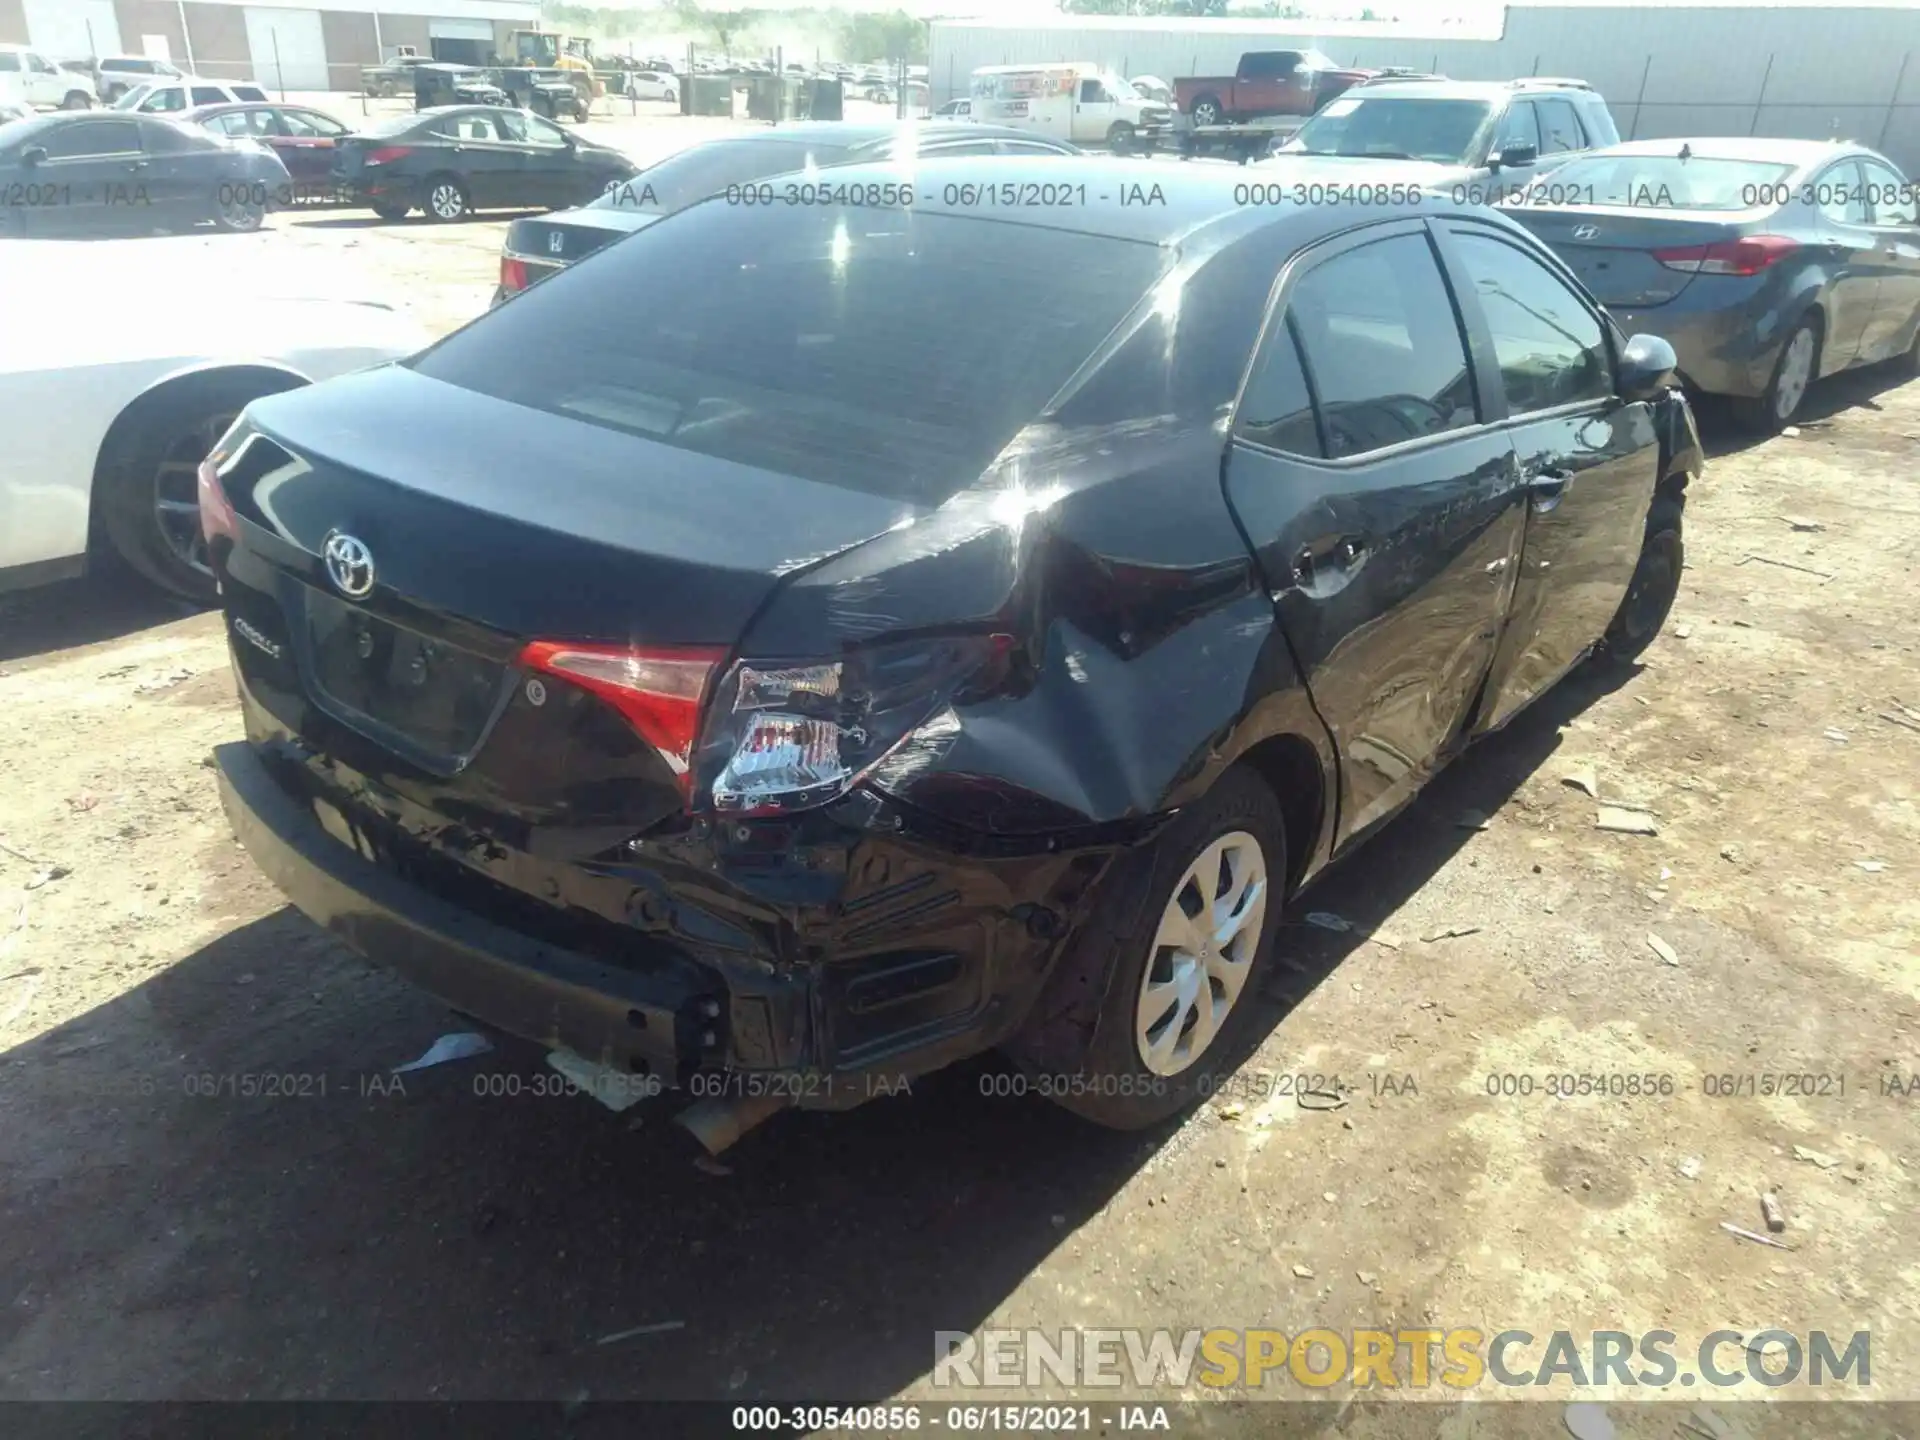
<point>1766,264</point>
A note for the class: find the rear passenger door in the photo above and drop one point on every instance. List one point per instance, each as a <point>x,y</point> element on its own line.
<point>1848,244</point>
<point>1384,513</point>
<point>1891,201</point>
<point>1587,462</point>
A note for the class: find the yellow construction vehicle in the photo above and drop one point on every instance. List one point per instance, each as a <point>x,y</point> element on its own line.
<point>550,50</point>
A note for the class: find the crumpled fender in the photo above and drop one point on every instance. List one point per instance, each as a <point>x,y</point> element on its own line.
<point>1150,655</point>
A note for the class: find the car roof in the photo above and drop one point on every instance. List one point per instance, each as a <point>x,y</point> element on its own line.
<point>1191,198</point>
<point>1738,147</point>
<point>1491,91</point>
<point>852,133</point>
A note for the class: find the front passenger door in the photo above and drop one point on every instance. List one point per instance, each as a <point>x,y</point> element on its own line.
<point>1587,462</point>
<point>1383,513</point>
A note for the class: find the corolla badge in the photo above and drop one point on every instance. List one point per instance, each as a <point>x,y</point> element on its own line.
<point>349,565</point>
<point>1585,232</point>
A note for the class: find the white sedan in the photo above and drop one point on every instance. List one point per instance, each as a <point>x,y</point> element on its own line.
<point>103,422</point>
<point>653,85</point>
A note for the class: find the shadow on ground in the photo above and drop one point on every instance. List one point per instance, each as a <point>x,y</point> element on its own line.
<point>458,1235</point>
<point>107,605</point>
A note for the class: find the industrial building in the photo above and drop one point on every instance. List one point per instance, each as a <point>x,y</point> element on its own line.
<point>282,44</point>
<point>1705,67</point>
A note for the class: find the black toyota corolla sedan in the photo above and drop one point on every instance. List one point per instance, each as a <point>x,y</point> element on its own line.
<point>455,159</point>
<point>741,167</point>
<point>894,631</point>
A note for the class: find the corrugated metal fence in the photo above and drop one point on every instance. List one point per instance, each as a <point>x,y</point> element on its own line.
<point>1809,73</point>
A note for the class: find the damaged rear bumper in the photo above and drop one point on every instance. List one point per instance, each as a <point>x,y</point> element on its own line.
<point>821,973</point>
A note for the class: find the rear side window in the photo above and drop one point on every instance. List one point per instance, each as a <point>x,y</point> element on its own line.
<point>1559,126</point>
<point>884,350</point>
<point>1277,410</point>
<point>249,92</point>
<point>1891,197</point>
<point>92,137</point>
<point>1838,193</point>
<point>1382,346</point>
<point>1550,347</point>
<point>208,95</point>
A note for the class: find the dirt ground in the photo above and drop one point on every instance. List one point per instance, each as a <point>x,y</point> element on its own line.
<point>163,1236</point>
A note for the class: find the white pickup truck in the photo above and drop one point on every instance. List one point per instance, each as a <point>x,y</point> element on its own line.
<point>29,78</point>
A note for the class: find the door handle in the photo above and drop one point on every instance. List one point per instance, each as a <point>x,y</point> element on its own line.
<point>1548,488</point>
<point>1322,564</point>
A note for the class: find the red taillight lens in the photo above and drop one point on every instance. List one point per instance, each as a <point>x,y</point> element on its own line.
<point>216,511</point>
<point>513,273</point>
<point>387,154</point>
<point>1746,256</point>
<point>658,691</point>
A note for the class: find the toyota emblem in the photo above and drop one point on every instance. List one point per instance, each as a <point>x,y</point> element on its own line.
<point>1585,232</point>
<point>349,565</point>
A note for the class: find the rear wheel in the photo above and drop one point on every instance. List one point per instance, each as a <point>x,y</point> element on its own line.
<point>240,209</point>
<point>1151,997</point>
<point>1793,373</point>
<point>147,492</point>
<point>392,212</point>
<point>1655,584</point>
<point>1206,111</point>
<point>1120,138</point>
<point>447,199</point>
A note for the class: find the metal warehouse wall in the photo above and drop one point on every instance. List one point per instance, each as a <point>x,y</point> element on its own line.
<point>1806,72</point>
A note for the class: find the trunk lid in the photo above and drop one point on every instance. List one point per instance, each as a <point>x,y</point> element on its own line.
<point>556,240</point>
<point>482,525</point>
<point>1611,248</point>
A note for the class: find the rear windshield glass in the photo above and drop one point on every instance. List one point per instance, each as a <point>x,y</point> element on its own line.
<point>885,350</point>
<point>1443,131</point>
<point>1666,182</point>
<point>392,125</point>
<point>694,174</point>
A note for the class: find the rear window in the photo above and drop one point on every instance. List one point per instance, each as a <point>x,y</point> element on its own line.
<point>883,350</point>
<point>1442,131</point>
<point>249,92</point>
<point>694,174</point>
<point>1666,182</point>
<point>392,125</point>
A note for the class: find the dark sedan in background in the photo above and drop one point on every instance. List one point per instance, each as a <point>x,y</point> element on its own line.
<point>537,247</point>
<point>97,171</point>
<point>1767,264</point>
<point>457,159</point>
<point>301,136</point>
<point>889,632</point>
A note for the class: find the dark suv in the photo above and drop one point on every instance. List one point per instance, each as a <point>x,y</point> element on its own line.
<point>1484,140</point>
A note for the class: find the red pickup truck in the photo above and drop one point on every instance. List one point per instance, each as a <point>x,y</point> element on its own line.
<point>1268,82</point>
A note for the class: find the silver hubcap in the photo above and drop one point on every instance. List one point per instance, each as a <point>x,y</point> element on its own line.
<point>1796,369</point>
<point>176,490</point>
<point>1202,953</point>
<point>446,201</point>
<point>1205,114</point>
<point>239,215</point>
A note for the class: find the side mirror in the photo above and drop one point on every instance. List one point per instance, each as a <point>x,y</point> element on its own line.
<point>33,155</point>
<point>1648,368</point>
<point>1521,154</point>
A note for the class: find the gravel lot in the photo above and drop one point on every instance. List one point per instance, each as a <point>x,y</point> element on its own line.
<point>420,1240</point>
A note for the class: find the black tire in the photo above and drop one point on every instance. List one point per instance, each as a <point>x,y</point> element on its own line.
<point>153,459</point>
<point>1206,111</point>
<point>1081,1035</point>
<point>1764,414</point>
<point>1120,138</point>
<point>1655,583</point>
<point>392,212</point>
<point>77,100</point>
<point>1908,360</point>
<point>439,194</point>
<point>240,212</point>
